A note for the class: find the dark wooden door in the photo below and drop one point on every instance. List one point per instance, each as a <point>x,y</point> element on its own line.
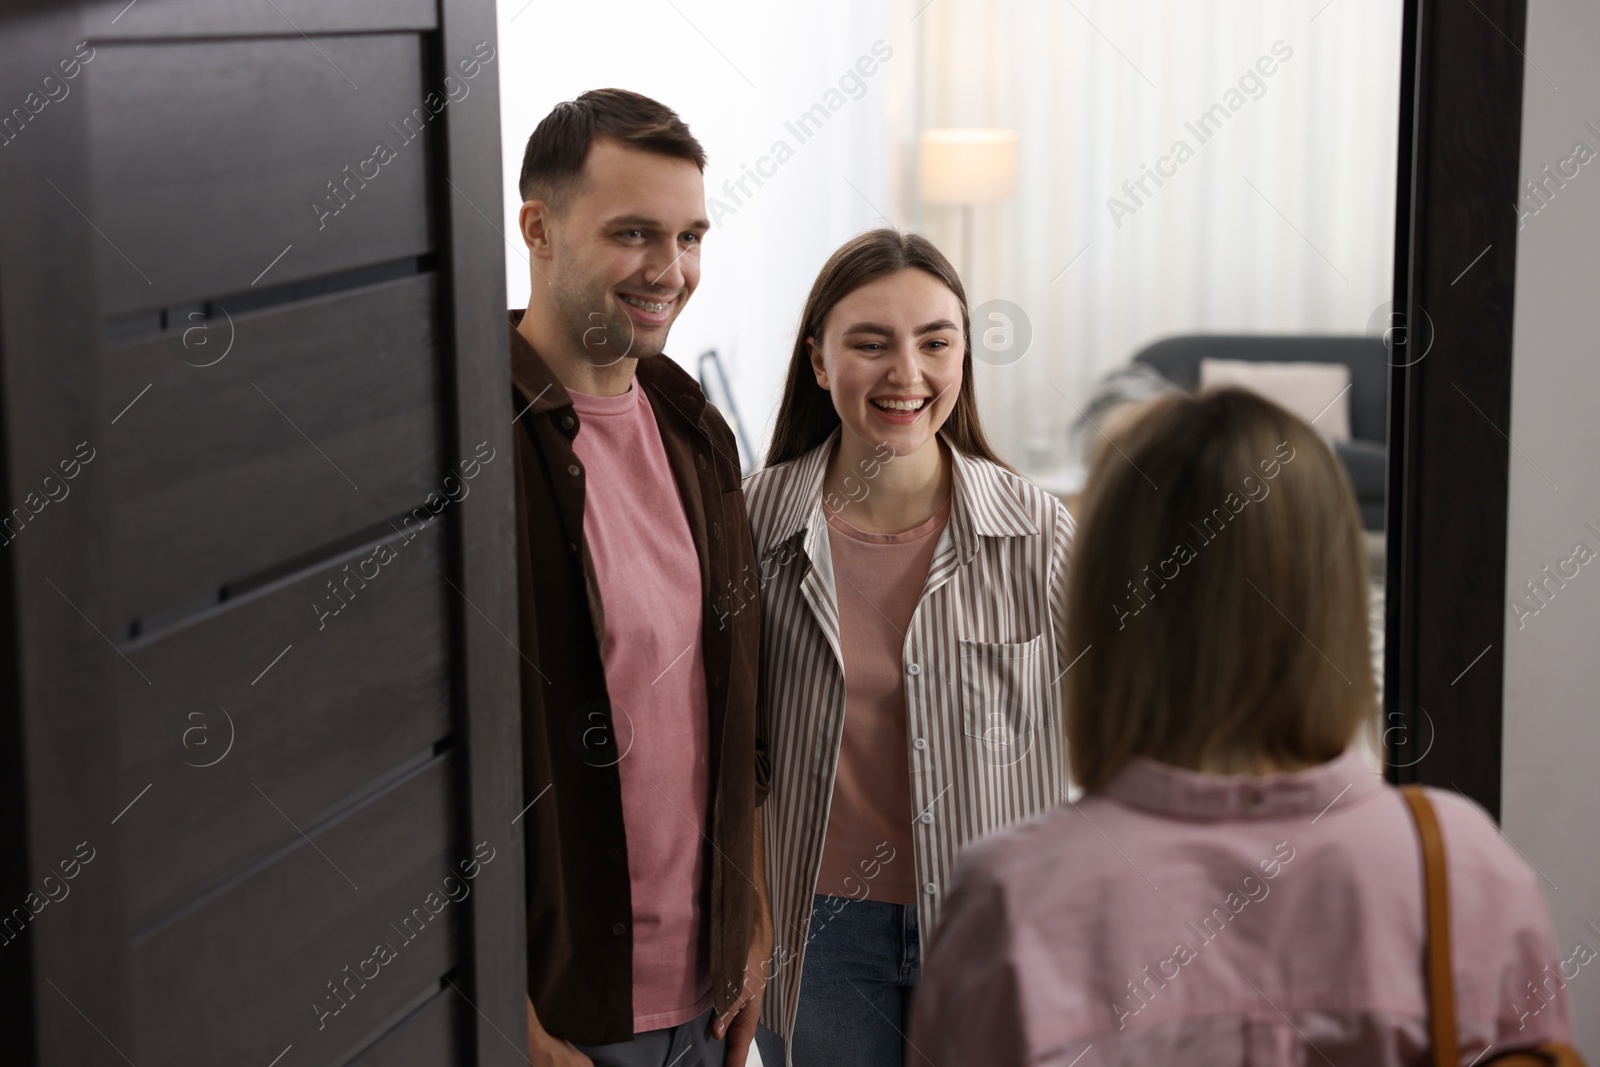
<point>258,660</point>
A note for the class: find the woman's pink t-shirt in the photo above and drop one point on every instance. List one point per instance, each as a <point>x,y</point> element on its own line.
<point>878,582</point>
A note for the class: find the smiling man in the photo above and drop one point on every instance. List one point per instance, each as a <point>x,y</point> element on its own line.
<point>648,924</point>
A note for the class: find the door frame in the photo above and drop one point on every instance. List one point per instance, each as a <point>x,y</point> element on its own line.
<point>1456,222</point>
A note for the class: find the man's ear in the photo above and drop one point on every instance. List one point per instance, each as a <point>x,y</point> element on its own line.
<point>535,221</point>
<point>817,366</point>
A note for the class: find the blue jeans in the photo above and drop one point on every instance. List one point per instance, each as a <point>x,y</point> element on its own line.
<point>861,968</point>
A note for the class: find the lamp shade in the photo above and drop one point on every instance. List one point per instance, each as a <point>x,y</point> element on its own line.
<point>968,166</point>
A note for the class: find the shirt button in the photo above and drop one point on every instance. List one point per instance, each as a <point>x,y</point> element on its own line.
<point>574,470</point>
<point>913,670</point>
<point>572,546</point>
<point>919,744</point>
<point>1253,799</point>
<point>566,422</point>
<point>926,817</point>
<point>930,889</point>
<point>619,929</point>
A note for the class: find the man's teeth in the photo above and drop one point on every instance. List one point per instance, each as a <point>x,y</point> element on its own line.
<point>646,305</point>
<point>901,405</point>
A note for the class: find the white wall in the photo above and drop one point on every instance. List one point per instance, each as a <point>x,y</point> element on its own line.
<point>1551,790</point>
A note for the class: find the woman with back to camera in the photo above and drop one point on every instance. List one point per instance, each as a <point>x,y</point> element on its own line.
<point>1237,886</point>
<point>912,593</point>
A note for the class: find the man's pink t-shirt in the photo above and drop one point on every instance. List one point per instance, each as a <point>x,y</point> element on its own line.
<point>649,576</point>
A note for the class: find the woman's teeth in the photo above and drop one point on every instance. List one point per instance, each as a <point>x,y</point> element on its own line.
<point>646,305</point>
<point>901,405</point>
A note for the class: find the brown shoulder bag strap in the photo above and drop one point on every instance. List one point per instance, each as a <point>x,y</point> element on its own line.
<point>1441,984</point>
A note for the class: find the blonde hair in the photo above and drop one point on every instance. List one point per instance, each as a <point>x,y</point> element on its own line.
<point>1218,594</point>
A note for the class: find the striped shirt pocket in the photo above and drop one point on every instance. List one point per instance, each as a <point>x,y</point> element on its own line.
<point>1004,701</point>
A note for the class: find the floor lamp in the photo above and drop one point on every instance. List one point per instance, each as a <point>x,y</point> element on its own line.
<point>967,167</point>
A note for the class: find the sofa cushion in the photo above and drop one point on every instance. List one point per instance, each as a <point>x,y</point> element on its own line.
<point>1178,358</point>
<point>1317,392</point>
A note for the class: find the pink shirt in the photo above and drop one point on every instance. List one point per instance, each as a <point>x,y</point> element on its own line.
<point>649,575</point>
<point>1178,917</point>
<point>879,580</point>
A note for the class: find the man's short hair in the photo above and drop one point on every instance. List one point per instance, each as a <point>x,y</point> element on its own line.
<point>552,164</point>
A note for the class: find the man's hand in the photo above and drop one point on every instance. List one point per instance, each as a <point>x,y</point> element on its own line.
<point>547,1051</point>
<point>739,1024</point>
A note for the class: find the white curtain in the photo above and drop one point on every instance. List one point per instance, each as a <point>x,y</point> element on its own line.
<point>1282,219</point>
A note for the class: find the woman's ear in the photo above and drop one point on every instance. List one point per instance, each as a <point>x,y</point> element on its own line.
<point>818,368</point>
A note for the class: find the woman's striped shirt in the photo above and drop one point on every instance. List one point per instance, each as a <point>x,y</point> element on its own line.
<point>983,667</point>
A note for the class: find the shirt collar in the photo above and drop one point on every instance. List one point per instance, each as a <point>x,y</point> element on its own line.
<point>531,376</point>
<point>1194,795</point>
<point>982,504</point>
<point>542,391</point>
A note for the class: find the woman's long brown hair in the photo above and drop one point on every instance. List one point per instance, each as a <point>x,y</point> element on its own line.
<point>807,416</point>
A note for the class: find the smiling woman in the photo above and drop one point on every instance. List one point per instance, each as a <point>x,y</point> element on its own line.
<point>895,272</point>
<point>909,658</point>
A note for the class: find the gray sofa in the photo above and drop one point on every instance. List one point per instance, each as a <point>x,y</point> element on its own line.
<point>1178,360</point>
